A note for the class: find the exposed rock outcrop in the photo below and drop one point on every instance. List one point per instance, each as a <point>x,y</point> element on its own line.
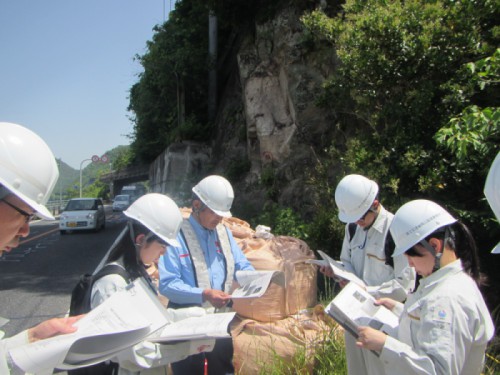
<point>268,122</point>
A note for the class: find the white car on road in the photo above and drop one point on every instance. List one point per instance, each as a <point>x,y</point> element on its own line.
<point>81,214</point>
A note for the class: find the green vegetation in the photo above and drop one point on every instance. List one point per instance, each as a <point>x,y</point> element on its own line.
<point>169,102</point>
<point>401,69</point>
<point>329,358</point>
<point>68,185</point>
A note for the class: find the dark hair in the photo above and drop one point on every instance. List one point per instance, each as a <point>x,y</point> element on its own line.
<point>125,250</point>
<point>412,252</point>
<point>459,239</point>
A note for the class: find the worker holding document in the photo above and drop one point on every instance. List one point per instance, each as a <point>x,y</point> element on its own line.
<point>366,253</point>
<point>26,183</point>
<point>154,222</point>
<point>445,326</point>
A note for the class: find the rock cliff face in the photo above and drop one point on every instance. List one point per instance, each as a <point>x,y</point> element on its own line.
<point>268,124</point>
<point>171,171</point>
<point>277,82</point>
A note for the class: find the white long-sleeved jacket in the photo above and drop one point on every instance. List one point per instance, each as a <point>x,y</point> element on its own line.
<point>147,357</point>
<point>444,327</point>
<point>364,255</point>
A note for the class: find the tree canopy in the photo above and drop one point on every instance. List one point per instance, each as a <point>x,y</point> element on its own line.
<point>174,76</point>
<point>411,91</point>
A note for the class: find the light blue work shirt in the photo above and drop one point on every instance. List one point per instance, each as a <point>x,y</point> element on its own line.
<point>177,278</point>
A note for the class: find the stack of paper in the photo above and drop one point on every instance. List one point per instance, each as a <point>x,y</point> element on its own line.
<point>337,267</point>
<point>354,307</point>
<point>194,328</point>
<point>123,320</point>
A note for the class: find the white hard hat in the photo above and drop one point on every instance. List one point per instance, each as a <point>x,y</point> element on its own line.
<point>354,196</point>
<point>414,221</point>
<point>492,192</point>
<point>159,214</point>
<point>28,168</point>
<point>216,193</point>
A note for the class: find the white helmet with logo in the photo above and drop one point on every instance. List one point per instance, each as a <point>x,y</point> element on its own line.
<point>492,192</point>
<point>159,214</point>
<point>354,196</point>
<point>216,193</point>
<point>416,220</point>
<point>28,168</point>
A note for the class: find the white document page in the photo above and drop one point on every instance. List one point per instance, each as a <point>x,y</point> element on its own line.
<point>354,307</point>
<point>339,270</point>
<point>123,320</point>
<point>199,327</point>
<point>255,283</point>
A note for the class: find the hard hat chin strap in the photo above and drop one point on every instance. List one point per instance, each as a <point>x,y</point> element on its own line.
<point>132,237</point>
<point>437,256</point>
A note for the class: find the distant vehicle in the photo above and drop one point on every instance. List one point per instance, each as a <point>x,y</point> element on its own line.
<point>135,191</point>
<point>81,214</point>
<point>121,202</point>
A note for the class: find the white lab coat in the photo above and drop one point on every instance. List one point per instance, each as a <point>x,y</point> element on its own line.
<point>364,255</point>
<point>147,358</point>
<point>444,327</point>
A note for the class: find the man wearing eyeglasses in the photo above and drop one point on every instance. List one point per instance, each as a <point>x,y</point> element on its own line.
<point>201,270</point>
<point>28,174</point>
<point>367,252</point>
<point>15,224</point>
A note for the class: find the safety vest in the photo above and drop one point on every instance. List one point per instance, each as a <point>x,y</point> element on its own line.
<point>201,272</point>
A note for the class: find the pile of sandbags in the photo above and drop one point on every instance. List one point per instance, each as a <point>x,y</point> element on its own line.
<point>286,254</point>
<point>258,346</point>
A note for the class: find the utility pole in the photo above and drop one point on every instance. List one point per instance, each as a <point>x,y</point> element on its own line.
<point>212,65</point>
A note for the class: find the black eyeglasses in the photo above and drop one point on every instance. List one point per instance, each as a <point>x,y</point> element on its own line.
<point>28,216</point>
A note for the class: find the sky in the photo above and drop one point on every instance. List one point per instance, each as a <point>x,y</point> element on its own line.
<point>66,68</point>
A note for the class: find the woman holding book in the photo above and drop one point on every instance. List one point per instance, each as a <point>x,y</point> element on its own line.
<point>154,223</point>
<point>445,325</point>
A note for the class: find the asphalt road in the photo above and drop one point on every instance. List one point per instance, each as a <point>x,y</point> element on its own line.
<point>36,278</point>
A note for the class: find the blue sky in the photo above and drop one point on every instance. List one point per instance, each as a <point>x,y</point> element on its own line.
<point>66,67</point>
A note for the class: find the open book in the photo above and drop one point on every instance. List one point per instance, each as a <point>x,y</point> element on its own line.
<point>354,307</point>
<point>337,267</point>
<point>123,320</point>
<point>199,327</point>
<point>255,283</point>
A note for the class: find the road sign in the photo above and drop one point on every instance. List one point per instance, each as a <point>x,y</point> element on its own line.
<point>104,159</point>
<point>95,158</point>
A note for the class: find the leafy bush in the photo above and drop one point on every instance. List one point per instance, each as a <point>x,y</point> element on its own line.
<point>401,93</point>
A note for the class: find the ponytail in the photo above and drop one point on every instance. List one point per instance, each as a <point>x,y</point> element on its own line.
<point>461,241</point>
